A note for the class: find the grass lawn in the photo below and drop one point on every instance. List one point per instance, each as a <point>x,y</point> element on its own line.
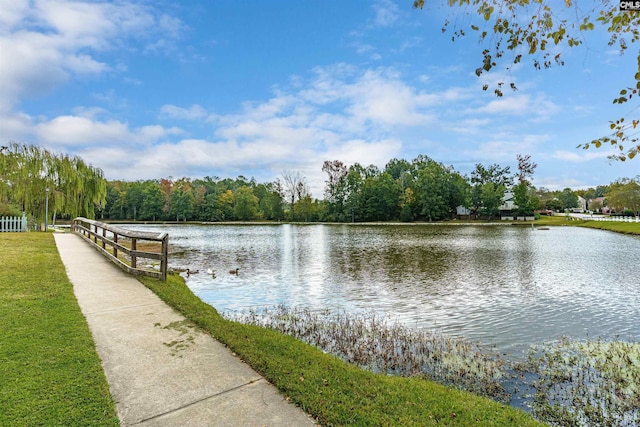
<point>618,227</point>
<point>50,373</point>
<point>334,392</point>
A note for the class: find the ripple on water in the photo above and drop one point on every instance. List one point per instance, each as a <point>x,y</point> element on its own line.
<point>503,286</point>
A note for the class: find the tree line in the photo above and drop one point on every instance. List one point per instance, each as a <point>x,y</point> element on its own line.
<point>421,189</point>
<point>31,177</point>
<point>418,190</point>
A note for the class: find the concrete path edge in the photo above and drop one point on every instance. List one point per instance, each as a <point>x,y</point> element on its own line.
<point>163,371</point>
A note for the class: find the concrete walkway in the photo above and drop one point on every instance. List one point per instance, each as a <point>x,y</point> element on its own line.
<point>161,370</point>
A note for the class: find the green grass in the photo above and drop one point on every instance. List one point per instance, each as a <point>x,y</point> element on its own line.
<point>618,227</point>
<point>332,391</point>
<point>50,373</point>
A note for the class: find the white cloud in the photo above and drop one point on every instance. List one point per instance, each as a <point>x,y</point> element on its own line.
<point>363,48</point>
<point>471,126</point>
<point>86,130</point>
<point>77,130</point>
<point>17,127</point>
<point>582,156</point>
<point>197,157</point>
<point>380,99</point>
<point>532,108</point>
<point>298,129</point>
<point>12,13</point>
<point>194,112</point>
<point>496,146</point>
<point>45,42</point>
<point>386,13</point>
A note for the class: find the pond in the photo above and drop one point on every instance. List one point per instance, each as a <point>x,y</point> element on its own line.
<point>505,287</point>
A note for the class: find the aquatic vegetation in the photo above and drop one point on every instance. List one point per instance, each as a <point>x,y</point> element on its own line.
<point>587,383</point>
<point>565,383</point>
<point>375,343</point>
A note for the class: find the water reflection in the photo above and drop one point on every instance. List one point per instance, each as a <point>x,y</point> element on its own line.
<point>503,286</point>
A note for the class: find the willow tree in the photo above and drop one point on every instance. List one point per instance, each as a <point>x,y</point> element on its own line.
<point>74,187</point>
<point>512,31</point>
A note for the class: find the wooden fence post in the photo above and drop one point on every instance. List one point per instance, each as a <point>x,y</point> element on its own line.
<point>133,256</point>
<point>165,257</point>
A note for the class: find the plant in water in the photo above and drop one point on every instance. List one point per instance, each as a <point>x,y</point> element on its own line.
<point>373,342</point>
<point>577,383</point>
<point>587,383</point>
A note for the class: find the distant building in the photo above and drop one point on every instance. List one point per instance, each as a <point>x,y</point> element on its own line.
<point>507,202</point>
<point>462,211</point>
<point>582,205</point>
<point>597,204</point>
<point>506,209</point>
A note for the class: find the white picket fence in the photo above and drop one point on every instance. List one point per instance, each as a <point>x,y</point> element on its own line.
<point>13,223</point>
<point>616,218</point>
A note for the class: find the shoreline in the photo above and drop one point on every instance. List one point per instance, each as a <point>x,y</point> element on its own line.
<point>630,228</point>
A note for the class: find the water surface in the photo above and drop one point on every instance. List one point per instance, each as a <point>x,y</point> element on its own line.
<point>503,286</point>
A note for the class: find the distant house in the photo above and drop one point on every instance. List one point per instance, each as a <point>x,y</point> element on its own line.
<point>508,206</point>
<point>506,209</point>
<point>582,205</point>
<point>597,204</point>
<point>463,211</point>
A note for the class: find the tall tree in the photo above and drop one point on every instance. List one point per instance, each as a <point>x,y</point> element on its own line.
<point>225,203</point>
<point>510,31</point>
<point>625,194</point>
<point>292,184</point>
<point>354,183</point>
<point>76,188</point>
<point>134,198</point>
<point>335,187</point>
<point>181,204</point>
<point>523,199</point>
<point>116,202</point>
<point>152,201</point>
<point>246,204</point>
<point>166,186</point>
<point>488,188</point>
<point>433,187</point>
<point>568,198</point>
<point>460,191</point>
<point>491,195</point>
<point>270,200</point>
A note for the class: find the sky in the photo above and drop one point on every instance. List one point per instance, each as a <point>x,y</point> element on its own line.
<point>158,89</point>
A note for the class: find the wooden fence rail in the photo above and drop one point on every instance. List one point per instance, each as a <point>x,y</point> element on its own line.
<point>13,223</point>
<point>126,248</point>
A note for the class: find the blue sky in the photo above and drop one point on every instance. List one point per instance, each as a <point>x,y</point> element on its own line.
<point>152,89</point>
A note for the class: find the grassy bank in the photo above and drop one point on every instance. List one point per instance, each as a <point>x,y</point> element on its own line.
<point>618,227</point>
<point>50,372</point>
<point>332,391</point>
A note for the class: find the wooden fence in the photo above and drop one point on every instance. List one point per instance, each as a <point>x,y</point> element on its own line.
<point>13,223</point>
<point>127,248</point>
